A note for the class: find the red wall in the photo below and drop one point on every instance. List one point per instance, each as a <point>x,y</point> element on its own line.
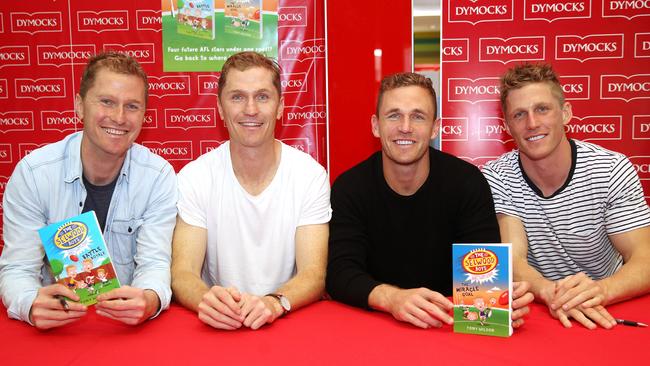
<point>354,30</point>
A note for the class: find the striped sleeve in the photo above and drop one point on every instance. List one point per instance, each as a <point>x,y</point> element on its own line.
<point>501,192</point>
<point>626,208</point>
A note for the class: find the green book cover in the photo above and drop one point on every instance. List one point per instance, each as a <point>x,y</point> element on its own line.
<point>195,18</point>
<point>78,257</point>
<point>244,18</point>
<point>482,288</point>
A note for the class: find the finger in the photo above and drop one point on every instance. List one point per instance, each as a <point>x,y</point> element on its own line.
<point>593,302</point>
<point>247,305</point>
<point>236,295</point>
<point>519,313</point>
<point>49,324</point>
<point>227,298</point>
<point>523,300</point>
<point>517,323</point>
<point>435,311</point>
<point>59,289</point>
<point>211,300</point>
<point>605,314</point>
<point>206,311</point>
<point>578,316</point>
<point>424,316</point>
<point>598,318</point>
<point>440,300</point>
<point>262,319</point>
<point>520,288</point>
<point>121,304</point>
<point>124,292</point>
<point>406,317</point>
<point>220,321</point>
<point>564,319</point>
<point>584,296</point>
<point>257,310</point>
<point>56,315</point>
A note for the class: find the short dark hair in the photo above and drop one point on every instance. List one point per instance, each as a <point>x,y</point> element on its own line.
<point>115,62</point>
<point>243,61</point>
<point>404,79</point>
<point>524,74</point>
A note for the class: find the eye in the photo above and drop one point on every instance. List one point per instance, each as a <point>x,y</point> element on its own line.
<point>418,117</point>
<point>518,115</point>
<point>237,97</point>
<point>393,116</point>
<point>543,109</point>
<point>133,107</point>
<point>262,97</point>
<point>106,102</point>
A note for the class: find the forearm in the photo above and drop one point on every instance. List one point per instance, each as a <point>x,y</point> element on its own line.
<point>188,289</point>
<point>379,297</point>
<point>633,279</point>
<point>304,288</point>
<point>539,285</point>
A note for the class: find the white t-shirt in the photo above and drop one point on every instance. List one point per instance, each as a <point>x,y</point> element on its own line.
<point>251,239</point>
<point>568,232</point>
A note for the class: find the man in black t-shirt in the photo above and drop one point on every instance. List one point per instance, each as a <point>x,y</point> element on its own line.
<point>396,214</point>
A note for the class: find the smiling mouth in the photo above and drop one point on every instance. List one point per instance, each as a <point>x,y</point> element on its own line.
<point>112,131</point>
<point>404,142</point>
<point>250,124</point>
<point>535,138</point>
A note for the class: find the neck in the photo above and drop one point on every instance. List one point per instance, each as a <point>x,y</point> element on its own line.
<point>550,173</point>
<point>406,179</point>
<point>99,170</point>
<point>255,167</point>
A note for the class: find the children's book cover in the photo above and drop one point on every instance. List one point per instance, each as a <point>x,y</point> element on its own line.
<point>244,18</point>
<point>196,18</point>
<point>482,288</point>
<point>78,256</point>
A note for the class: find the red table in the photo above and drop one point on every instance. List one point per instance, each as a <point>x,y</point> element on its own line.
<point>325,333</point>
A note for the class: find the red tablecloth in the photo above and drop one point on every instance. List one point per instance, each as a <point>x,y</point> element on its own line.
<point>325,333</point>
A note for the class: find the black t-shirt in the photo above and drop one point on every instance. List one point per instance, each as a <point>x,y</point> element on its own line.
<point>98,198</point>
<point>378,236</point>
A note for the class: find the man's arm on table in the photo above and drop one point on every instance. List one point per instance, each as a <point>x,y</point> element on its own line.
<point>150,291</point>
<point>512,230</point>
<point>216,306</point>
<point>304,288</point>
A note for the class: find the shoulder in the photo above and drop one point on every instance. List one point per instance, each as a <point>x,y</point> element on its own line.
<point>592,153</point>
<point>507,163</point>
<point>143,158</point>
<point>212,160</point>
<point>300,161</point>
<point>360,174</point>
<point>54,152</point>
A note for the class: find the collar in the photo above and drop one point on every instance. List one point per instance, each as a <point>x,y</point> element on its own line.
<point>73,165</point>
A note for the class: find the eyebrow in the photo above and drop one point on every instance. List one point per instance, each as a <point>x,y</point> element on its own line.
<point>416,110</point>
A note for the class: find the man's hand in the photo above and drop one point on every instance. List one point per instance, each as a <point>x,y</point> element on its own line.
<point>128,304</point>
<point>47,310</point>
<point>588,317</point>
<point>420,306</point>
<point>521,297</point>
<point>220,308</point>
<point>258,311</point>
<point>578,289</point>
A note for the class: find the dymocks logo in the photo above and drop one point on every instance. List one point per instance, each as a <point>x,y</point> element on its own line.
<point>299,143</point>
<point>292,16</point>
<point>14,56</point>
<point>190,118</point>
<point>209,145</point>
<point>169,85</point>
<point>477,11</point>
<point>576,87</point>
<point>4,92</point>
<point>16,121</point>
<point>626,8</point>
<point>150,119</point>
<point>76,54</point>
<point>103,21</point>
<point>595,128</point>
<point>492,129</point>
<point>454,129</point>
<point>642,45</point>
<point>512,49</point>
<point>60,121</point>
<point>41,22</point>
<point>550,11</point>
<point>294,82</point>
<point>625,87</point>
<point>149,20</point>
<point>171,150</point>
<point>40,88</point>
<point>455,50</point>
<point>302,116</point>
<point>597,46</point>
<point>641,165</point>
<point>641,127</point>
<point>5,153</point>
<point>473,90</point>
<point>309,49</point>
<point>208,84</point>
<point>144,53</point>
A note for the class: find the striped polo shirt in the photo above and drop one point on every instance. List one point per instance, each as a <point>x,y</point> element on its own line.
<point>568,232</point>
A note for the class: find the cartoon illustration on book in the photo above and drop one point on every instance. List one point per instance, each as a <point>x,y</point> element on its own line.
<point>196,18</point>
<point>78,239</point>
<point>244,18</point>
<point>482,275</point>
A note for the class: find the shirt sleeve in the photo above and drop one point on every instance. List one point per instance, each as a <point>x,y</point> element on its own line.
<point>316,208</point>
<point>476,218</point>
<point>23,255</point>
<point>153,248</point>
<point>626,207</point>
<point>501,196</point>
<point>347,279</point>
<point>190,199</point>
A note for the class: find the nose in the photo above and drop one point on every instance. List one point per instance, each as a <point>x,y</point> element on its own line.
<point>532,122</point>
<point>251,107</point>
<point>119,115</point>
<point>405,125</point>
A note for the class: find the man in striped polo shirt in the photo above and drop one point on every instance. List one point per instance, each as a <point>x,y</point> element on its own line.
<point>574,211</point>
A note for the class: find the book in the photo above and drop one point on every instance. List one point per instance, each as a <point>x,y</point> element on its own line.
<point>244,18</point>
<point>195,18</point>
<point>482,289</point>
<point>78,256</point>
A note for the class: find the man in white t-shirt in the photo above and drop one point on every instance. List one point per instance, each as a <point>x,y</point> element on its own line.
<point>251,237</point>
<point>574,211</point>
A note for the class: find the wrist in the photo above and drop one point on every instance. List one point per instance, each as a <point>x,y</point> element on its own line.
<point>380,297</point>
<point>279,304</point>
<point>152,306</point>
<point>604,286</point>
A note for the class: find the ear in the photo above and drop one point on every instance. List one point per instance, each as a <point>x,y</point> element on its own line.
<point>280,109</point>
<point>374,121</point>
<point>436,128</point>
<point>567,113</point>
<point>220,109</point>
<point>79,107</point>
